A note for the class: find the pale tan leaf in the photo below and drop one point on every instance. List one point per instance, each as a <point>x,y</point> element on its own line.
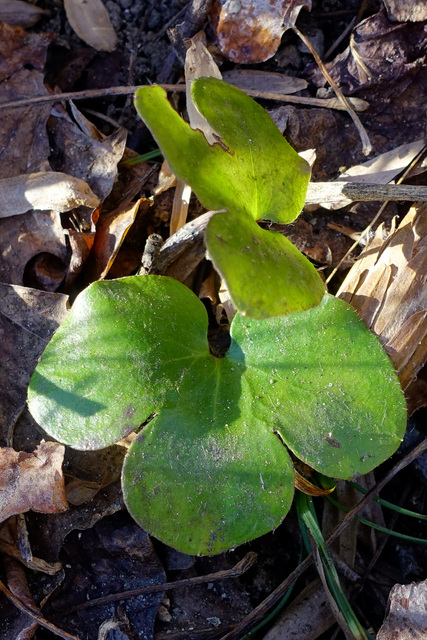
<point>91,22</point>
<point>32,480</point>
<point>406,617</point>
<point>385,166</point>
<point>387,287</point>
<point>268,81</point>
<point>44,191</point>
<point>199,63</point>
<point>20,14</point>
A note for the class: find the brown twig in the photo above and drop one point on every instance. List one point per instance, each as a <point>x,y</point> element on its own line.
<point>236,571</point>
<point>262,609</point>
<point>180,88</point>
<point>366,143</point>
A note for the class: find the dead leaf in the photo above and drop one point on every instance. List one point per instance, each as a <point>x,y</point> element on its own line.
<point>199,63</point>
<point>24,144</point>
<point>91,22</point>
<point>251,31</point>
<point>28,319</point>
<point>45,190</point>
<point>406,10</point>
<point>24,237</point>
<point>406,613</point>
<point>264,81</point>
<point>387,288</point>
<point>383,55</point>
<point>20,14</point>
<point>111,230</point>
<point>32,480</point>
<point>83,152</point>
<point>386,166</point>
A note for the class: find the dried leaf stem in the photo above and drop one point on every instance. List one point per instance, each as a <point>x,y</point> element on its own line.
<point>331,103</point>
<point>366,143</point>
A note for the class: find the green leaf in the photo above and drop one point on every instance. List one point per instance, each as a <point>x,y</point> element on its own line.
<point>211,470</point>
<point>260,174</point>
<point>265,273</point>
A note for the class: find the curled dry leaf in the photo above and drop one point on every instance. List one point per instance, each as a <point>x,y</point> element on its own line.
<point>44,191</point>
<point>406,617</point>
<point>32,480</point>
<point>20,14</point>
<point>250,31</point>
<point>406,11</point>
<point>386,286</point>
<point>91,22</point>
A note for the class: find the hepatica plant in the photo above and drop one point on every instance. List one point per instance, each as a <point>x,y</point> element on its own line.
<point>211,468</point>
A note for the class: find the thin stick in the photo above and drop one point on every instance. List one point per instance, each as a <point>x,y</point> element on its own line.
<point>180,88</point>
<point>241,567</point>
<point>260,611</point>
<point>36,615</point>
<point>366,143</point>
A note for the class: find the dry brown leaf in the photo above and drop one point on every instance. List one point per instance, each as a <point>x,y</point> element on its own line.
<point>45,191</point>
<point>406,10</point>
<point>32,480</point>
<point>387,287</point>
<point>20,14</point>
<point>91,22</point>
<point>251,31</point>
<point>111,230</point>
<point>264,81</point>
<point>406,616</point>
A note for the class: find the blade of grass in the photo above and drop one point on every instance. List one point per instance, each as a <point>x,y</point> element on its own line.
<point>390,505</point>
<point>378,527</point>
<point>346,616</point>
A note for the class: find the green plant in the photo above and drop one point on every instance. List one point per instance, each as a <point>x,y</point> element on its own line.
<point>210,467</point>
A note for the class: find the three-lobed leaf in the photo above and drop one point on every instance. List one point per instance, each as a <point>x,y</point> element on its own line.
<point>211,469</point>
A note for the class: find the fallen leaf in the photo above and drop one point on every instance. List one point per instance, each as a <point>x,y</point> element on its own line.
<point>32,480</point>
<point>20,14</point>
<point>199,63</point>
<point>382,54</point>
<point>91,22</point>
<point>83,152</point>
<point>251,31</point>
<point>46,190</point>
<point>387,288</point>
<point>386,166</point>
<point>28,319</point>
<point>111,230</point>
<point>406,10</point>
<point>24,144</point>
<point>406,613</point>
<point>24,237</point>
<point>264,81</point>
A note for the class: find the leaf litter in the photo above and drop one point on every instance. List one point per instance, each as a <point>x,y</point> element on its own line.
<point>383,65</point>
